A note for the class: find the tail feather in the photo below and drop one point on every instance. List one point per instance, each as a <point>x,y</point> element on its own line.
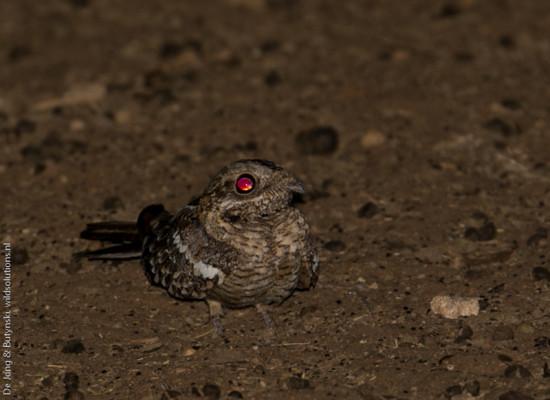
<point>128,251</point>
<point>111,231</point>
<point>128,235</point>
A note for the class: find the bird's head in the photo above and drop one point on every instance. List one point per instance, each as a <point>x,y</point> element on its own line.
<point>248,189</point>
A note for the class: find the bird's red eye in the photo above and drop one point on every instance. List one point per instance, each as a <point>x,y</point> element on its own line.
<point>245,183</point>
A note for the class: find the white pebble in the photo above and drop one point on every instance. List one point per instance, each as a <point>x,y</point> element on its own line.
<point>454,307</point>
<point>373,138</point>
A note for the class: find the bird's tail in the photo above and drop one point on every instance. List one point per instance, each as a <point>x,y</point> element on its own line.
<point>127,236</point>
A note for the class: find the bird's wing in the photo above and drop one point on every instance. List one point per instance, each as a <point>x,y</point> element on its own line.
<point>179,256</point>
<point>309,270</point>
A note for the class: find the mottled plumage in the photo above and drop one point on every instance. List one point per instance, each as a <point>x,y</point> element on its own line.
<point>240,244</point>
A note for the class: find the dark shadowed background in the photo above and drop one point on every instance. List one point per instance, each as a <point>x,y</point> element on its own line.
<point>420,130</point>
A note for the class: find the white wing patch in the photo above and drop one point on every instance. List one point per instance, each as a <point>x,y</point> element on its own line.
<point>200,268</point>
<point>205,270</point>
<point>315,263</point>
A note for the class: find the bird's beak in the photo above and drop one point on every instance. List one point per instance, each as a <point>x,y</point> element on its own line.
<point>294,185</point>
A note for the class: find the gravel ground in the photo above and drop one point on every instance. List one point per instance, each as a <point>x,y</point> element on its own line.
<point>420,130</point>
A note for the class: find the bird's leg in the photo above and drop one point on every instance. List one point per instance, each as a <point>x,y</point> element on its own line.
<point>216,313</point>
<point>262,309</point>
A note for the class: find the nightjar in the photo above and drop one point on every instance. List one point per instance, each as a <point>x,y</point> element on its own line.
<point>241,243</point>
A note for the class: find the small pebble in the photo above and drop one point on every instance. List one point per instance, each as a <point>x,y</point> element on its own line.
<point>507,42</point>
<point>433,255</point>
<point>73,395</point>
<point>272,79</point>
<point>540,274</point>
<point>452,391</point>
<point>259,369</point>
<point>517,371</point>
<point>77,95</point>
<point>497,289</point>
<point>483,303</point>
<point>498,125</point>
<point>73,346</point>
<point>71,381</point>
<point>319,140</point>
<point>211,391</point>
<point>454,307</point>
<point>503,333</point>
<point>369,210</point>
<point>228,58</point>
<point>473,274</point>
<point>172,394</point>
<point>80,3</point>
<point>307,310</point>
<point>335,246</point>
<point>473,388</point>
<point>25,126</point>
<point>19,256</point>
<point>464,56</point>
<point>33,153</point>
<point>526,329</point>
<point>71,267</point>
<point>112,203</point>
<point>77,125</point>
<point>151,345</point>
<point>170,49</point>
<point>47,382</point>
<point>540,234</point>
<point>463,396</point>
<point>123,117</point>
<point>449,10</point>
<point>297,383</point>
<point>514,395</point>
<point>189,352</point>
<point>511,104</point>
<point>372,138</point>
<point>195,392</point>
<point>16,53</point>
<point>270,46</point>
<point>116,349</point>
<point>464,333</point>
<point>542,341</point>
<point>485,233</point>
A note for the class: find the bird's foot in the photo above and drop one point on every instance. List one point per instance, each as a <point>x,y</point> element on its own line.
<point>218,325</point>
<point>216,313</point>
<point>263,310</point>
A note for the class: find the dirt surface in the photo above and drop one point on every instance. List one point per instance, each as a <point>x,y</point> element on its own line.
<point>438,184</point>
